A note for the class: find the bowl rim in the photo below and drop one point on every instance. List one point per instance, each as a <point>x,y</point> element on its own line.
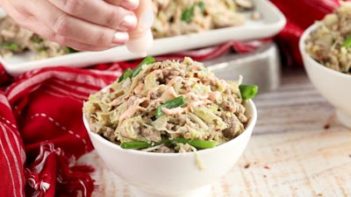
<point>305,54</point>
<point>248,130</point>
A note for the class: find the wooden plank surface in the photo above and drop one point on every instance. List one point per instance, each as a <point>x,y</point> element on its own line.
<point>295,106</point>
<point>298,149</point>
<point>314,163</point>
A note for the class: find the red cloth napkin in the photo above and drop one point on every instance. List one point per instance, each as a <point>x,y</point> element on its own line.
<point>41,129</point>
<point>300,14</point>
<point>40,112</point>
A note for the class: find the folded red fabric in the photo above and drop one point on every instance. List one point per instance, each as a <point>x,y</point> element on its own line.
<point>12,155</point>
<point>300,14</point>
<point>46,105</point>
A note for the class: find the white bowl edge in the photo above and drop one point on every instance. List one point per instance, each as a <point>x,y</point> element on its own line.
<point>147,171</point>
<point>330,83</point>
<point>250,126</point>
<point>305,54</point>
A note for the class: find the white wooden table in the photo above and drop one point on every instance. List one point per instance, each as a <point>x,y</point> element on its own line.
<point>298,149</point>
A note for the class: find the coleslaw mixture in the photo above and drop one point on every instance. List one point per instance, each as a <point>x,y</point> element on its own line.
<point>330,43</point>
<point>190,16</point>
<point>15,39</point>
<point>169,106</point>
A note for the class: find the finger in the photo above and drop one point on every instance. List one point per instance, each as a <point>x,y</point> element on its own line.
<point>81,46</point>
<point>29,22</point>
<point>141,39</point>
<point>105,14</point>
<point>145,14</point>
<point>34,25</point>
<point>145,19</point>
<point>128,4</point>
<point>76,29</point>
<point>15,10</point>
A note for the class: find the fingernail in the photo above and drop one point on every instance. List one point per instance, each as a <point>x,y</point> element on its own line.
<point>120,37</point>
<point>129,22</point>
<point>131,4</point>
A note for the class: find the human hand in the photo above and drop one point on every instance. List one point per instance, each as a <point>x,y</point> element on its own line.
<point>141,38</point>
<point>80,24</point>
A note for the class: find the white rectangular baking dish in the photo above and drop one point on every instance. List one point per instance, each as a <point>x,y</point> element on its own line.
<point>271,23</point>
<point>260,67</point>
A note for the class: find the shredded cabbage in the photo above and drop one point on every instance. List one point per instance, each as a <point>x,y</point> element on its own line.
<point>167,101</point>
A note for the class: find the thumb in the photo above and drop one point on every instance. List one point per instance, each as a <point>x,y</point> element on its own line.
<point>141,38</point>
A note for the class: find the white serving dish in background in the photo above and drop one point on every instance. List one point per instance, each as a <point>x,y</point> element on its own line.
<point>333,85</point>
<point>173,174</point>
<point>271,23</point>
<point>260,67</point>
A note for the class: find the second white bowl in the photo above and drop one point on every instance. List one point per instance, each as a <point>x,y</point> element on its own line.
<point>333,85</point>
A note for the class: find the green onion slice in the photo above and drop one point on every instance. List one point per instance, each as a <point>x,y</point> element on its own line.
<point>10,46</point>
<point>148,60</point>
<point>127,74</point>
<point>176,102</point>
<point>347,42</point>
<point>248,91</point>
<point>198,144</point>
<point>136,145</point>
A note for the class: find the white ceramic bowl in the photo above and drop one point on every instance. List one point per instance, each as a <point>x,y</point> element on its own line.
<point>333,85</point>
<point>173,174</point>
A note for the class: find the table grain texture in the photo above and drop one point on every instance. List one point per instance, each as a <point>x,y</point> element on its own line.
<point>298,149</point>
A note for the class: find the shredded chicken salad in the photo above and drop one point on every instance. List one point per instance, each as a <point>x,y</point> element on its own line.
<point>15,39</point>
<point>176,17</point>
<point>330,43</point>
<point>169,106</point>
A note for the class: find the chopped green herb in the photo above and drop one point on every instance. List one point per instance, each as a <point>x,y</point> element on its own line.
<point>36,39</point>
<point>146,61</point>
<point>42,49</point>
<point>202,5</point>
<point>127,74</point>
<point>188,14</point>
<point>137,145</point>
<point>248,91</point>
<point>347,42</point>
<point>176,102</point>
<point>70,50</point>
<point>198,144</point>
<point>132,73</point>
<point>10,46</point>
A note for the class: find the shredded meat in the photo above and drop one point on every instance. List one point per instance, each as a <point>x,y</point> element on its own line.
<point>186,107</point>
<point>201,15</point>
<point>330,42</point>
<point>15,39</point>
